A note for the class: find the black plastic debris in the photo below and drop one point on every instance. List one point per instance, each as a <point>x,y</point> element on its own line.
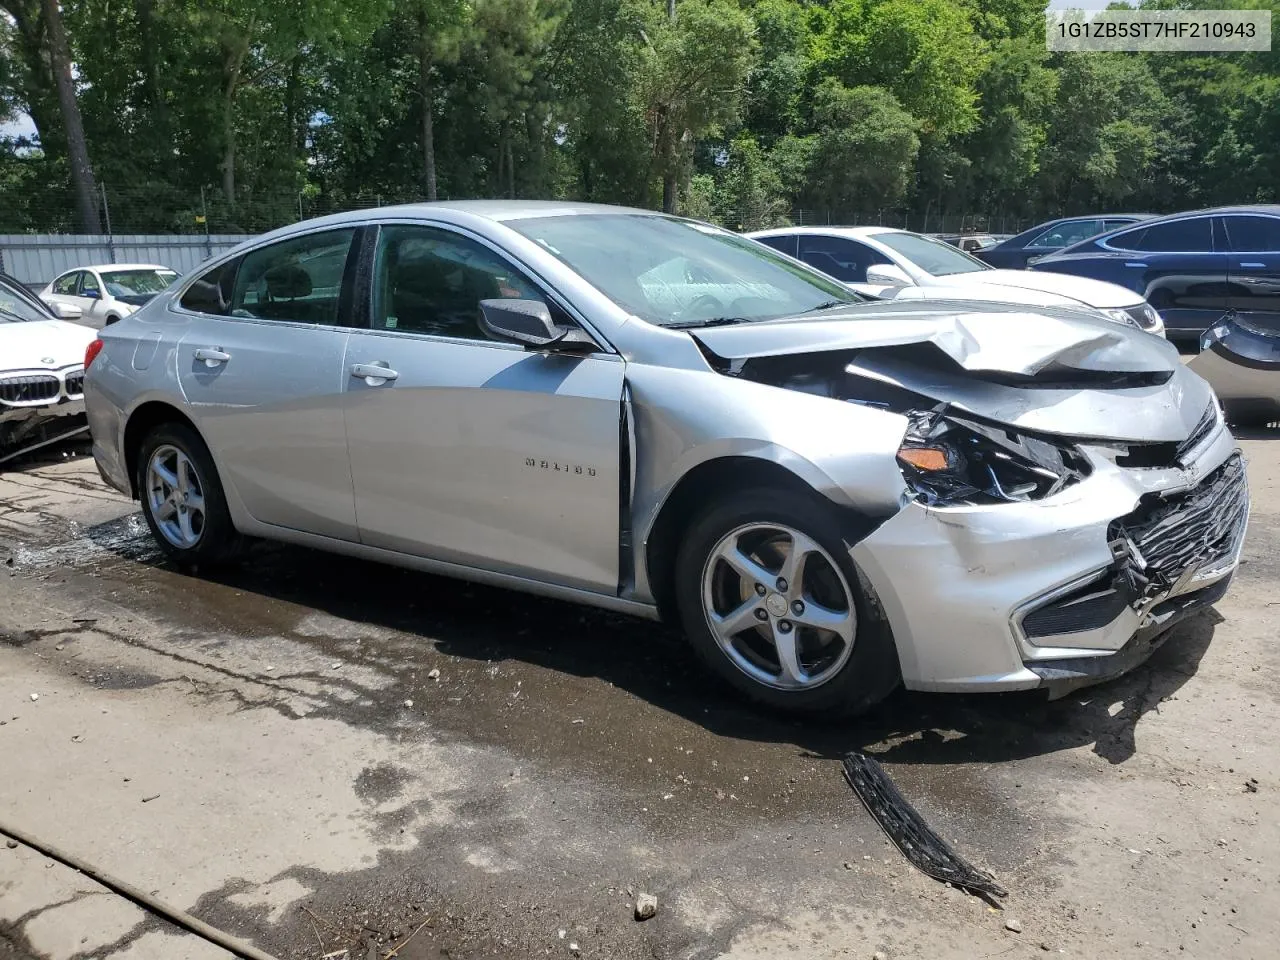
<point>927,851</point>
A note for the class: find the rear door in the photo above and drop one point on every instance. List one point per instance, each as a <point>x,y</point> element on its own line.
<point>1254,271</point>
<point>261,365</point>
<point>1180,266</point>
<point>472,451</point>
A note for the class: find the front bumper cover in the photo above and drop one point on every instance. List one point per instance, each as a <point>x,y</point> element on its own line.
<point>960,586</point>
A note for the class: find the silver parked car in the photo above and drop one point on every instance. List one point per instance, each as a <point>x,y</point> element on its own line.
<point>656,416</point>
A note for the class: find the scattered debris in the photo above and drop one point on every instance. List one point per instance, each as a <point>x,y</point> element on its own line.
<point>77,739</point>
<point>1251,785</point>
<point>575,950</point>
<point>434,674</point>
<point>646,906</point>
<point>1013,925</point>
<point>408,703</point>
<point>35,696</point>
<point>927,851</point>
<point>11,844</point>
<point>879,955</point>
<point>579,720</point>
<point>154,796</point>
<point>336,666</point>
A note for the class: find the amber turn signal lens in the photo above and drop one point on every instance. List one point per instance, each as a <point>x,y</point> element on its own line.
<point>930,459</point>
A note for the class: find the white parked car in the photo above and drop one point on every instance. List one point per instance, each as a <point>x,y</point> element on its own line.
<point>891,264</point>
<point>108,293</point>
<point>41,372</point>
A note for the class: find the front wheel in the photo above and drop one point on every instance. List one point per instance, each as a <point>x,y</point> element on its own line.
<point>182,497</point>
<point>771,600</point>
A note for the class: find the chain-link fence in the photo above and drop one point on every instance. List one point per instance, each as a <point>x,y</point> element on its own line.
<point>160,208</point>
<point>164,209</point>
<point>927,222</point>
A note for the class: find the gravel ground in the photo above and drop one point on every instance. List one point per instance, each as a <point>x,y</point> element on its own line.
<point>271,749</point>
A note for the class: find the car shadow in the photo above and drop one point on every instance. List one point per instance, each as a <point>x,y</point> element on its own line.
<point>652,662</point>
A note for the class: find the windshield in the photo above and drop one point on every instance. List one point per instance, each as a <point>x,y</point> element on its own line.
<point>680,273</point>
<point>932,256</point>
<point>15,308</point>
<point>133,283</point>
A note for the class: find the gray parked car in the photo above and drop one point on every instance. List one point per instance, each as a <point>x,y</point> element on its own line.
<point>656,416</point>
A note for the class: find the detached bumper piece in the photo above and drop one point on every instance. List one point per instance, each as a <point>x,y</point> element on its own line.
<point>926,851</point>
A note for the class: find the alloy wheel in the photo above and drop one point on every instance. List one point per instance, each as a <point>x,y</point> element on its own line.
<point>175,496</point>
<point>779,606</point>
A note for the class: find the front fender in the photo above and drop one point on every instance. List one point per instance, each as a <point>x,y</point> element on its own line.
<point>685,418</point>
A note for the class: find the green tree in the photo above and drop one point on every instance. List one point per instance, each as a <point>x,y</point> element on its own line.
<point>865,149</point>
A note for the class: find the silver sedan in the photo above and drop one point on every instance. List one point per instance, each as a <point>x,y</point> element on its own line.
<point>659,417</point>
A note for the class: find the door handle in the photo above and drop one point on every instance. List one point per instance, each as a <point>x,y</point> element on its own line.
<point>212,356</point>
<point>1134,264</point>
<point>374,374</point>
<point>1254,266</point>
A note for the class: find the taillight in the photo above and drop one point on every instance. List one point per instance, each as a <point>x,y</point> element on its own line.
<point>91,351</point>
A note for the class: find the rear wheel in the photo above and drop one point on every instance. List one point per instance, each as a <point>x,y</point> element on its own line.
<point>182,497</point>
<point>771,600</point>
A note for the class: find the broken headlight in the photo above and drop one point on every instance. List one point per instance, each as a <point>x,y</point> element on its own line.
<point>951,460</point>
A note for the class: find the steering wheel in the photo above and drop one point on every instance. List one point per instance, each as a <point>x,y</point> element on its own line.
<point>699,305</point>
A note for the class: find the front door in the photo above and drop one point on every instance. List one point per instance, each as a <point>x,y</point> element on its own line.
<point>472,451</point>
<point>90,299</point>
<point>261,365</point>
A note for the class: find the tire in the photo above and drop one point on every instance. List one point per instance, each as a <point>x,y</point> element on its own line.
<point>191,536</point>
<point>829,675</point>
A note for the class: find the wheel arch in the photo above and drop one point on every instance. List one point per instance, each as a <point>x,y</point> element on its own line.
<point>142,420</point>
<point>698,487</point>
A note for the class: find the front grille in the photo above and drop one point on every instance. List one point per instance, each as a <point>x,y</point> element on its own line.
<point>29,389</point>
<point>1193,529</point>
<point>75,383</point>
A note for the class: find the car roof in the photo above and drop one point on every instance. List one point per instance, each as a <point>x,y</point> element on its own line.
<point>100,267</point>
<point>1270,209</point>
<point>825,231</point>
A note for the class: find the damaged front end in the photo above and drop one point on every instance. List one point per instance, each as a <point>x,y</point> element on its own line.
<point>1065,501</point>
<point>38,409</point>
<point>949,459</point>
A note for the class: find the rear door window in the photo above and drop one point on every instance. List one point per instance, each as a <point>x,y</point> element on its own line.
<point>89,284</point>
<point>298,280</point>
<point>212,292</point>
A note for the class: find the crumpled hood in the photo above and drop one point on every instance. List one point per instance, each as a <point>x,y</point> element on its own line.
<point>42,344</point>
<point>1094,293</point>
<point>1051,371</point>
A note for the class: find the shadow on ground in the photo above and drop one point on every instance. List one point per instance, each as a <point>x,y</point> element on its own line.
<point>484,626</point>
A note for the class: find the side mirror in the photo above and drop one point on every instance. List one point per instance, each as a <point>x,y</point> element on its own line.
<point>66,311</point>
<point>888,275</point>
<point>529,323</point>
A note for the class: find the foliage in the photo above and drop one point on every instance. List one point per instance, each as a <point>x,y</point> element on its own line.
<point>250,113</point>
